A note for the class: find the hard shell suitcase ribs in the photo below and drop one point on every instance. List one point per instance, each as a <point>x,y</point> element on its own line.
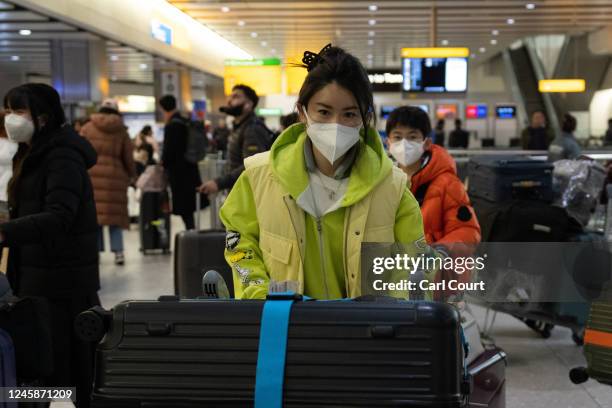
<point>195,353</point>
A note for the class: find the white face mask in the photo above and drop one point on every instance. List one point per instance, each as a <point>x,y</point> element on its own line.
<point>19,129</point>
<point>406,152</point>
<point>333,140</point>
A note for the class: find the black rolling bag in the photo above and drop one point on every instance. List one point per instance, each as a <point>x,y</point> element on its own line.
<point>504,178</point>
<point>284,352</point>
<point>198,251</point>
<point>154,222</point>
<point>195,253</point>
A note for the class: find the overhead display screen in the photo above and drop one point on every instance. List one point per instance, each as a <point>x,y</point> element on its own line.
<point>505,112</point>
<point>435,75</point>
<point>476,111</point>
<point>446,111</point>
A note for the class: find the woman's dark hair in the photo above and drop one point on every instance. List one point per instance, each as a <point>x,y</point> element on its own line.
<point>334,65</point>
<point>146,130</point>
<point>440,124</point>
<point>569,123</point>
<point>43,102</point>
<point>409,116</point>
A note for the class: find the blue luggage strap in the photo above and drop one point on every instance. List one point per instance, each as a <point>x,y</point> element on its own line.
<point>270,374</point>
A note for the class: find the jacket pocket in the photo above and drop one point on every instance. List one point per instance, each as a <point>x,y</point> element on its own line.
<point>384,233</point>
<point>276,251</point>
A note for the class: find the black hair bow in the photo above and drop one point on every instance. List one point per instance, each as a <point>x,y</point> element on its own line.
<point>312,59</point>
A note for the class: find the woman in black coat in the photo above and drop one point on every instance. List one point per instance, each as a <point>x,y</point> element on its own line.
<point>52,232</point>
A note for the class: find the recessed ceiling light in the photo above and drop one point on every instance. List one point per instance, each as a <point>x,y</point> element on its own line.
<point>372,22</point>
<point>370,42</point>
<point>241,23</point>
<point>113,78</point>
<point>370,56</point>
<point>114,58</point>
<point>15,58</point>
<point>494,42</point>
<point>225,9</point>
<point>372,33</point>
<point>530,6</point>
<point>495,32</point>
<point>444,42</point>
<point>510,21</point>
<point>264,43</point>
<point>373,7</point>
<point>25,32</point>
<point>144,66</point>
<point>482,49</point>
<point>254,34</point>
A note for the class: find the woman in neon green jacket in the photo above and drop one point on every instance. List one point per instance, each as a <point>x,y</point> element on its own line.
<point>298,214</point>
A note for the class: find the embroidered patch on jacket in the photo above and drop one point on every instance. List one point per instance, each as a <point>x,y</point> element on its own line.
<point>464,214</point>
<point>232,238</point>
<point>238,256</point>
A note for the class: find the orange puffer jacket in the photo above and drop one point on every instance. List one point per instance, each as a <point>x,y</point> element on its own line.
<point>448,217</point>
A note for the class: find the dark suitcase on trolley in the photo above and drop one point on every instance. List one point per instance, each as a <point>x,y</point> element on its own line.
<point>195,253</point>
<point>504,178</point>
<point>154,222</point>
<point>204,353</point>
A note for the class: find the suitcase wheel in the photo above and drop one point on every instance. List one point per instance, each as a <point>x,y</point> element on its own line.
<point>579,375</point>
<point>542,328</point>
<point>91,325</point>
<point>578,337</point>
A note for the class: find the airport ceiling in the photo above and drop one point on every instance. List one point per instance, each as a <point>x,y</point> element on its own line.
<point>30,51</point>
<point>374,30</point>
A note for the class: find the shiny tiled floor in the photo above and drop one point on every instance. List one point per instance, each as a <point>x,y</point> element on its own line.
<point>537,373</point>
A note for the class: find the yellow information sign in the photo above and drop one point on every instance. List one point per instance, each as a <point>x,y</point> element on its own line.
<point>562,85</point>
<point>436,52</point>
<point>263,75</point>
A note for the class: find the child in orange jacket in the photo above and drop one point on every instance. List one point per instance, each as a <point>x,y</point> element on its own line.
<point>448,218</point>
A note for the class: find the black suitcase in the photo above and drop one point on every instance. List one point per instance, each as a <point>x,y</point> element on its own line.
<point>154,222</point>
<point>204,353</point>
<point>195,253</point>
<point>523,221</point>
<point>504,178</point>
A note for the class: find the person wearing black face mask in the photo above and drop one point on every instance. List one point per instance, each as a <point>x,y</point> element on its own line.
<point>249,136</point>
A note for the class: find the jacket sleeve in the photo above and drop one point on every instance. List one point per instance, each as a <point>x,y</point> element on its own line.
<point>253,142</point>
<point>64,180</point>
<point>242,250</point>
<point>127,157</point>
<point>460,222</point>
